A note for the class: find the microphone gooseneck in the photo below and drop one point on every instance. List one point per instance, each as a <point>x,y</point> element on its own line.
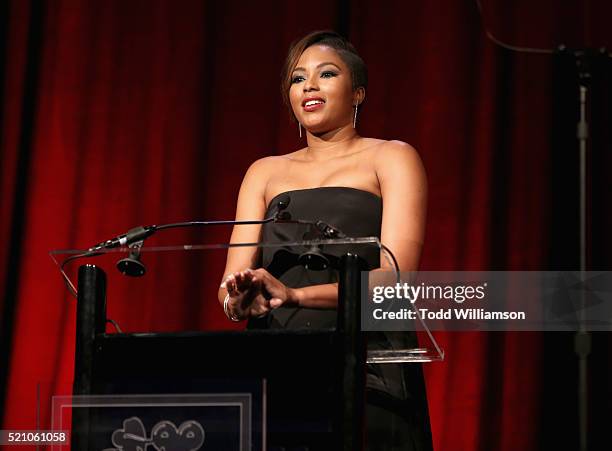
<point>132,266</point>
<point>132,236</point>
<point>142,232</point>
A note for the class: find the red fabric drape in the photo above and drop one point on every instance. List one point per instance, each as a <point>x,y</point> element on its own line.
<point>117,114</point>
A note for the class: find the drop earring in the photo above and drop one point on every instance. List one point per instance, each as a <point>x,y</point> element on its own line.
<point>300,129</point>
<point>355,117</point>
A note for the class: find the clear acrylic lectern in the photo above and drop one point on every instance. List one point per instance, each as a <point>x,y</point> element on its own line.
<point>211,389</point>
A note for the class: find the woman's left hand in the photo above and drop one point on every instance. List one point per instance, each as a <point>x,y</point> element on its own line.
<point>279,293</point>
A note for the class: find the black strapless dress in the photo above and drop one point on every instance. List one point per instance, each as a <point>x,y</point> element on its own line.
<point>397,417</point>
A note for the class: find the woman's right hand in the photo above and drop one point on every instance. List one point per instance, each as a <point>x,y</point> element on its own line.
<point>246,295</point>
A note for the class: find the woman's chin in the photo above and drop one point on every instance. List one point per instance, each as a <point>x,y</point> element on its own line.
<point>317,130</point>
<point>317,127</point>
<point>323,129</point>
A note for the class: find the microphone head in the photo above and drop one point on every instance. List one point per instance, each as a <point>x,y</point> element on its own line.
<point>283,202</point>
<point>329,231</point>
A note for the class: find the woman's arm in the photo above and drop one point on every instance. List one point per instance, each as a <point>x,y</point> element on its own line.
<point>403,186</point>
<point>250,205</point>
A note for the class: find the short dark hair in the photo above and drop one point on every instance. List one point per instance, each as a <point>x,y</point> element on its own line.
<point>346,51</point>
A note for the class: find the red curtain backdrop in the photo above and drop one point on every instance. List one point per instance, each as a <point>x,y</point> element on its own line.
<point>116,114</point>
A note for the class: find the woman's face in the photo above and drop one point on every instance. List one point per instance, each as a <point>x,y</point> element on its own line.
<point>321,92</point>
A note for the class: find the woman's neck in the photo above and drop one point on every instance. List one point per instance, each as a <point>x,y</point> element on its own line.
<point>331,144</point>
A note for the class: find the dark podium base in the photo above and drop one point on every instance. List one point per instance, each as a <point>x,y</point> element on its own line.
<point>311,382</point>
<point>298,369</point>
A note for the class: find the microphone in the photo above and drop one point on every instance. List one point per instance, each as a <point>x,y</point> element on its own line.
<point>132,236</point>
<point>329,231</point>
<point>142,232</point>
<point>281,205</point>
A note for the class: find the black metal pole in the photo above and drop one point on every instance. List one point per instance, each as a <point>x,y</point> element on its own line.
<point>91,321</point>
<point>353,351</point>
<point>582,340</point>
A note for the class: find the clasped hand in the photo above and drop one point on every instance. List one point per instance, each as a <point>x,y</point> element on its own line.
<point>255,292</point>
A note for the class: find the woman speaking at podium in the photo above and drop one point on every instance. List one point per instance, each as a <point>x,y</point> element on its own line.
<point>363,187</point>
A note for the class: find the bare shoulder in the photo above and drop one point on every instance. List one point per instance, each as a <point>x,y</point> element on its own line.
<point>264,164</point>
<point>394,157</point>
<point>393,152</point>
<point>261,170</point>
